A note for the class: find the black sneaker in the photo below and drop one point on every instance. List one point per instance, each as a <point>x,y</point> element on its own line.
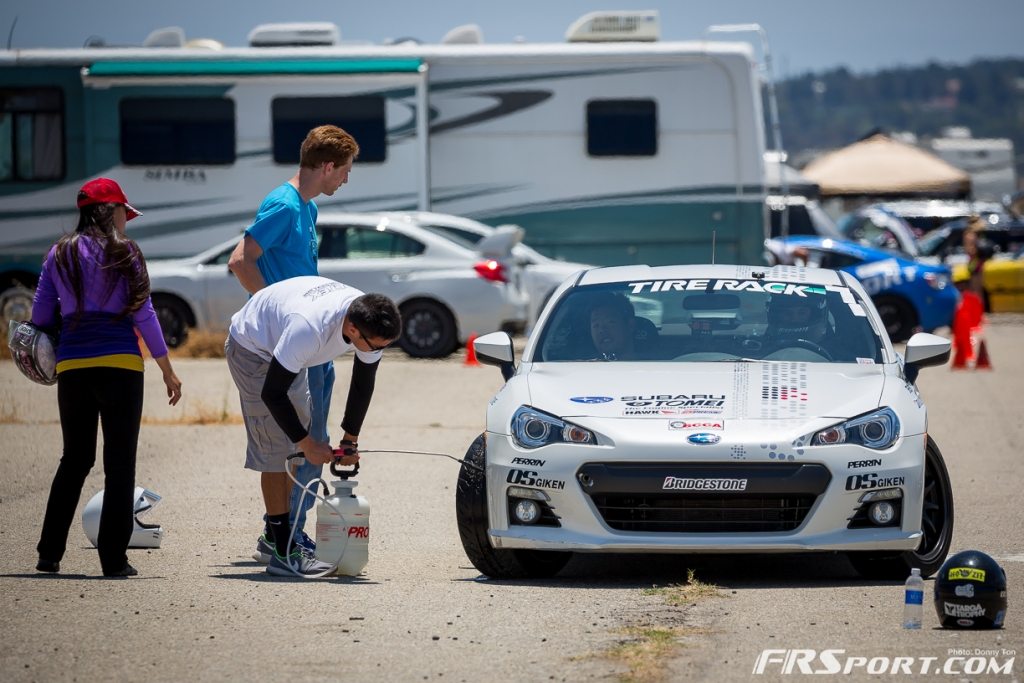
<point>47,566</point>
<point>126,570</point>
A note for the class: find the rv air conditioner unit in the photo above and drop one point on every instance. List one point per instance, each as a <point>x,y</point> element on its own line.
<point>467,34</point>
<point>596,27</point>
<point>295,35</point>
<point>172,36</point>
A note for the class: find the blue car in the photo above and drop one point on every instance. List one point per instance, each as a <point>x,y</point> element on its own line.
<point>908,295</point>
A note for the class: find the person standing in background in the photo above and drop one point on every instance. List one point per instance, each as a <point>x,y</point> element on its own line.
<point>280,244</point>
<point>96,279</point>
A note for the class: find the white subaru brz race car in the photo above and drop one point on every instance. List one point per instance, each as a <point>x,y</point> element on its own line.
<point>707,409</point>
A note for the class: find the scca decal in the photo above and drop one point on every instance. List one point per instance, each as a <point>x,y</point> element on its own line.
<point>871,480</point>
<point>683,424</point>
<point>529,478</point>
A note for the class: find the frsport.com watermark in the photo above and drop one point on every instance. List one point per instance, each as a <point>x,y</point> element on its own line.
<point>956,662</point>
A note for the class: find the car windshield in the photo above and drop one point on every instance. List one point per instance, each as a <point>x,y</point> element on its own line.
<point>709,320</point>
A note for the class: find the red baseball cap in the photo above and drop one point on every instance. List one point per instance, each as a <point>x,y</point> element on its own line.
<point>105,191</point>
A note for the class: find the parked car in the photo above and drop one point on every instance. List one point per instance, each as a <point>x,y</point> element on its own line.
<point>806,217</point>
<point>726,429</point>
<point>908,294</point>
<point>445,291</point>
<point>925,215</point>
<point>1003,279</point>
<point>1001,235</point>
<point>541,274</point>
<point>876,226</point>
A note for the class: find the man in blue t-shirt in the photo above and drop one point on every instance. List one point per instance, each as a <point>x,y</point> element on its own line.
<point>280,244</point>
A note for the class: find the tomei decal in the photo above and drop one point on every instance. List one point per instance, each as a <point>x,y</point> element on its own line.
<point>871,480</point>
<point>724,285</point>
<point>704,439</point>
<point>876,462</point>
<point>529,462</point>
<point>676,400</point>
<point>527,478</point>
<point>967,573</point>
<point>964,590</point>
<point>691,484</point>
<point>696,424</point>
<point>591,399</point>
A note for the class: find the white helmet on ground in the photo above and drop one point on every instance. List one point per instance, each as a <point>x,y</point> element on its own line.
<point>143,535</point>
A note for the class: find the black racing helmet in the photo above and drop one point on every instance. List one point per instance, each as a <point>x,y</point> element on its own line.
<point>970,591</point>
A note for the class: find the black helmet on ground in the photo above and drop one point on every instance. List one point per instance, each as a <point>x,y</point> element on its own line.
<point>970,591</point>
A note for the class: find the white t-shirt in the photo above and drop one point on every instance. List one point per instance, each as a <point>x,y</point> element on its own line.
<point>298,322</point>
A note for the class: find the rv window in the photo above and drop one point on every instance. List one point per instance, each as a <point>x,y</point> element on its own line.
<point>31,134</point>
<point>177,130</point>
<point>622,128</point>
<point>362,117</point>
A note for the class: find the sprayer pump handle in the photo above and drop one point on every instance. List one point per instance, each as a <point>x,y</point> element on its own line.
<point>335,464</point>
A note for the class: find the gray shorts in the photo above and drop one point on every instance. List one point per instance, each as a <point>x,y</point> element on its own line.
<point>268,448</point>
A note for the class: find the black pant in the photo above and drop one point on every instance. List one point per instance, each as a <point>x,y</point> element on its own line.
<point>112,396</point>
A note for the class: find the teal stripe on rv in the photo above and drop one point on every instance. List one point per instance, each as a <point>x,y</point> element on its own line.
<point>238,67</point>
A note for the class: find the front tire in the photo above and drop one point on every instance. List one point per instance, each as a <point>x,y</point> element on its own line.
<point>936,525</point>
<point>471,514</point>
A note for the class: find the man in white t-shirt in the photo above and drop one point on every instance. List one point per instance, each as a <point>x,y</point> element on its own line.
<point>285,328</point>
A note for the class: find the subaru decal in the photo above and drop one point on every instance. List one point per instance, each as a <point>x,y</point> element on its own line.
<point>703,439</point>
<point>591,399</point>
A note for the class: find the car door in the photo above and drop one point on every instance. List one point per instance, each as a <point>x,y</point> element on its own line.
<point>371,259</point>
<point>224,294</point>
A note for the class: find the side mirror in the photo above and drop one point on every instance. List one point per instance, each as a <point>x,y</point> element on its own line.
<point>924,350</point>
<point>496,349</point>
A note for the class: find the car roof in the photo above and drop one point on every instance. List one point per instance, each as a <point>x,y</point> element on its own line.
<point>868,253</point>
<point>795,274</point>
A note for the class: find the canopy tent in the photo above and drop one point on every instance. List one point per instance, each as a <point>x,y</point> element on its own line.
<point>882,167</point>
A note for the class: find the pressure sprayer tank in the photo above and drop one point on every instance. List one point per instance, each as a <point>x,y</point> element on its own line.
<point>343,539</point>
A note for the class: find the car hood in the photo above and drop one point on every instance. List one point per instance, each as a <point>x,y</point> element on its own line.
<point>729,391</point>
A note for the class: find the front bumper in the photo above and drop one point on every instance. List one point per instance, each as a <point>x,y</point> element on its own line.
<point>604,502</point>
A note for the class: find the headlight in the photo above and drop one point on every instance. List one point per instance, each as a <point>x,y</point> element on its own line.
<point>533,429</point>
<point>877,430</point>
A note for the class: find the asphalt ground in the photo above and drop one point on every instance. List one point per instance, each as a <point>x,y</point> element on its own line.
<point>202,609</point>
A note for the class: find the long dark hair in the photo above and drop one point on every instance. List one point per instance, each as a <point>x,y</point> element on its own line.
<point>121,255</point>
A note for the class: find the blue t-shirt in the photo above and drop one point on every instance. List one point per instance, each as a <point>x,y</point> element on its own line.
<point>285,229</point>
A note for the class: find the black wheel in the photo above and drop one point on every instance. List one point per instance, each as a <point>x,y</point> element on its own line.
<point>15,304</point>
<point>173,316</point>
<point>936,527</point>
<point>428,330</point>
<point>471,514</point>
<point>898,316</point>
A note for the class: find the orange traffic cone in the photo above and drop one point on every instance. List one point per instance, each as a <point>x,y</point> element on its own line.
<point>968,317</point>
<point>470,351</point>
<point>981,358</point>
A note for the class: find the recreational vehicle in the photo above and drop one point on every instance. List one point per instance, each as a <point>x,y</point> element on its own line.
<point>611,148</point>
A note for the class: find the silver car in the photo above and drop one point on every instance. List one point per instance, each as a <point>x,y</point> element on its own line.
<point>445,291</point>
<point>541,274</point>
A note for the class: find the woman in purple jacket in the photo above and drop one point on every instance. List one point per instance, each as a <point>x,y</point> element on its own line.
<point>96,278</point>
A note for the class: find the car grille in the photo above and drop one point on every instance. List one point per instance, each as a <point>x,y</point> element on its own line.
<point>696,514</point>
<point>760,497</point>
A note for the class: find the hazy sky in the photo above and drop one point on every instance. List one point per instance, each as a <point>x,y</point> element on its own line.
<point>863,35</point>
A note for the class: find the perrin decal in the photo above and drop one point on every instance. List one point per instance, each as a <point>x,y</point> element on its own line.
<point>529,462</point>
<point>966,573</point>
<point>591,399</point>
<point>856,464</point>
<point>691,484</point>
<point>704,439</point>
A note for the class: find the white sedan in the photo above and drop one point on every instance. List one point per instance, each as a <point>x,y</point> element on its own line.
<point>707,409</point>
<point>446,292</point>
<point>541,274</point>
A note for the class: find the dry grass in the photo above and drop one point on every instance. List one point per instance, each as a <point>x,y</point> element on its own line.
<point>648,650</point>
<point>200,414</point>
<point>201,344</point>
<point>680,594</point>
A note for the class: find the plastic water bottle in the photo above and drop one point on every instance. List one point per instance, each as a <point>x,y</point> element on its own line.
<point>913,599</point>
<point>343,539</point>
